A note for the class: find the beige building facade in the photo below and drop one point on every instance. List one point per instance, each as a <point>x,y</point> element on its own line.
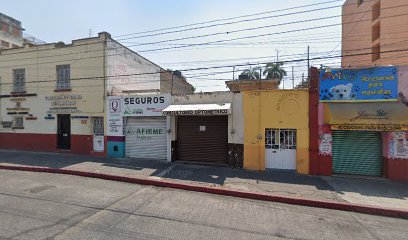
<point>374,33</point>
<point>52,96</point>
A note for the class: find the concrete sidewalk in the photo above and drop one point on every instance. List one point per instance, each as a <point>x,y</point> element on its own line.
<point>364,191</point>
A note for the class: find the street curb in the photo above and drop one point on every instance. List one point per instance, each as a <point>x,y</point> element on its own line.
<point>373,210</point>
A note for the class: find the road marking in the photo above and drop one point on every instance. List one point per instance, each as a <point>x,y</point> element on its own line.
<point>165,171</point>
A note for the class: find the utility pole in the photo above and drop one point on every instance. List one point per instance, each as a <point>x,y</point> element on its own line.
<point>308,62</point>
<point>260,73</point>
<point>233,73</point>
<point>293,79</point>
<point>277,55</point>
<point>172,80</point>
<point>260,77</point>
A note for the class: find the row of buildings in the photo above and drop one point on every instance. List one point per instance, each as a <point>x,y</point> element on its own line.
<point>97,97</point>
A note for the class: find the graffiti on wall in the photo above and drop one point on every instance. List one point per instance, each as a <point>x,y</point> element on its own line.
<point>325,146</point>
<point>398,145</point>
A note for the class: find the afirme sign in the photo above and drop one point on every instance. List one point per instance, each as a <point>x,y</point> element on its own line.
<point>196,112</point>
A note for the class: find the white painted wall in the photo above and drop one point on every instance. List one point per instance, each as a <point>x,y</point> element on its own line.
<point>122,61</point>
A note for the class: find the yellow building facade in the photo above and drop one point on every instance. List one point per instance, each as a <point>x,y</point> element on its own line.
<point>280,111</point>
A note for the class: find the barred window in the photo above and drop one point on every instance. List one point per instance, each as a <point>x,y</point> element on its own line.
<point>18,122</point>
<point>280,138</point>
<point>98,126</point>
<point>19,80</point>
<point>63,77</point>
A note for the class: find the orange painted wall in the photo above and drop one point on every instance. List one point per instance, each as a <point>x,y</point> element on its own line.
<point>359,24</point>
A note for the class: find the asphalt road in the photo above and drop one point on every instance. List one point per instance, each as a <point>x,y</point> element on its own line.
<point>52,206</point>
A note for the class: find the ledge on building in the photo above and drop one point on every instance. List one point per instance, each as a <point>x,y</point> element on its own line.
<point>250,85</point>
<point>14,94</point>
<point>17,128</point>
<point>63,90</point>
<point>18,93</point>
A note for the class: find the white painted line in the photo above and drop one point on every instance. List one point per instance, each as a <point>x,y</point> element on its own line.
<point>165,171</point>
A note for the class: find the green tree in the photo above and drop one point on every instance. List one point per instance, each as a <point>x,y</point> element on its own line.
<point>253,73</point>
<point>274,71</point>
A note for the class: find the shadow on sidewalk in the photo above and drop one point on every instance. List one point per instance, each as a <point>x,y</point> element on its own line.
<point>374,187</point>
<point>277,180</point>
<point>216,175</point>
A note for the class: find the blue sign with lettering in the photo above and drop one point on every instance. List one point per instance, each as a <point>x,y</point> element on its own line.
<point>359,85</point>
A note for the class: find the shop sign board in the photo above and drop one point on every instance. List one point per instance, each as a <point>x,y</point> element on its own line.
<point>63,104</point>
<point>133,106</point>
<point>370,127</point>
<point>114,117</point>
<point>144,105</point>
<point>197,112</point>
<point>198,109</point>
<point>359,85</point>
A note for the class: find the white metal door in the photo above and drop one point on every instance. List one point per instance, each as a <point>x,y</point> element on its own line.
<point>146,138</point>
<point>98,134</point>
<point>280,148</point>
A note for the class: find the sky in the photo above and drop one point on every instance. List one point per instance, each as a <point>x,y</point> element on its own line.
<point>54,21</point>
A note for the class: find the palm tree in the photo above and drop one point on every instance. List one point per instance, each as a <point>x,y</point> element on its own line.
<point>274,71</point>
<point>253,73</point>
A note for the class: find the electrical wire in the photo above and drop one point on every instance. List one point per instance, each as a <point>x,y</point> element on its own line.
<point>214,67</point>
<point>230,18</point>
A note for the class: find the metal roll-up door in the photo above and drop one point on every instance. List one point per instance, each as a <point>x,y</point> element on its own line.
<point>146,138</point>
<point>202,139</point>
<point>358,153</point>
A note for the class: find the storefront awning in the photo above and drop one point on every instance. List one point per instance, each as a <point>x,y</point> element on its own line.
<point>198,109</point>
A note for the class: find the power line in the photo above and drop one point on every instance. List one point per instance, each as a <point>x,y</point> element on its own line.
<point>183,46</point>
<point>246,37</point>
<point>352,29</point>
<point>230,18</point>
<point>255,63</point>
<point>266,26</point>
<point>229,23</point>
<point>214,67</point>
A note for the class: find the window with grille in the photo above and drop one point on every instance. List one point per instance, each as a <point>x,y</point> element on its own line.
<point>18,122</point>
<point>280,138</point>
<point>63,77</point>
<point>19,80</point>
<point>98,126</point>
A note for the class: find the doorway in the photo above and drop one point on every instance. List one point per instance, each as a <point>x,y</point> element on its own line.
<point>202,139</point>
<point>64,131</point>
<point>98,134</point>
<point>280,148</point>
<point>357,153</point>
